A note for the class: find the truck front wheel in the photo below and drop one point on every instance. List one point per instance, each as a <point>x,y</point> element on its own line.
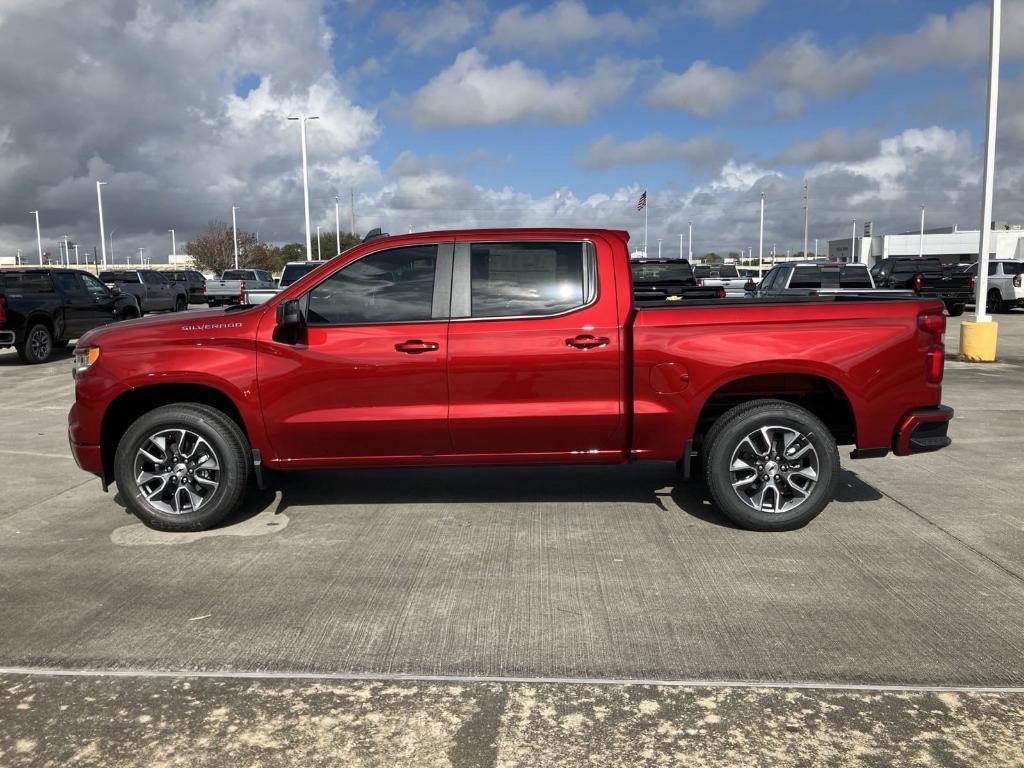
<point>37,346</point>
<point>182,467</point>
<point>771,465</point>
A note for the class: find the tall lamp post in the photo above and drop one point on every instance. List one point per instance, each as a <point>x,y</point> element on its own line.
<point>337,224</point>
<point>112,246</point>
<point>760,242</point>
<point>234,232</point>
<point>305,180</point>
<point>103,243</point>
<point>39,238</point>
<point>319,257</point>
<point>174,244</point>
<point>978,338</point>
<point>920,246</point>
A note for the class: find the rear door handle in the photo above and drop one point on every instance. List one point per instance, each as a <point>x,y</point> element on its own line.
<point>586,341</point>
<point>416,347</point>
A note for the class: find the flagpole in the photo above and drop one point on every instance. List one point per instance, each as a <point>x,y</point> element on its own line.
<point>647,204</point>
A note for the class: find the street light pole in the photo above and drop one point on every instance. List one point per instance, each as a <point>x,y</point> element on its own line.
<point>111,248</point>
<point>234,232</point>
<point>174,244</point>
<point>318,256</point>
<point>680,246</point>
<point>807,214</point>
<point>853,244</point>
<point>76,254</point>
<point>920,247</point>
<point>142,261</point>
<point>305,180</point>
<point>67,252</point>
<point>337,225</point>
<point>39,238</point>
<point>103,242</point>
<point>689,250</point>
<point>981,304</point>
<point>760,242</point>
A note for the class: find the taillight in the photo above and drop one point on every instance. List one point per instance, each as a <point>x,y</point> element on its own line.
<point>241,292</point>
<point>918,281</point>
<point>974,281</point>
<point>720,293</point>
<point>934,364</point>
<point>700,282</point>
<point>3,310</point>
<point>934,324</point>
<point>1016,280</point>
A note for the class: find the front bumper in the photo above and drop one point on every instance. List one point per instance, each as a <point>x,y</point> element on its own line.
<point>922,431</point>
<point>87,457</point>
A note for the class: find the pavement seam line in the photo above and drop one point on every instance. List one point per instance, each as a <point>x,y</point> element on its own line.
<point>356,677</point>
<point>954,537</point>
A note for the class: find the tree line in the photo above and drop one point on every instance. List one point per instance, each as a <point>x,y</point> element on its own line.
<point>214,250</point>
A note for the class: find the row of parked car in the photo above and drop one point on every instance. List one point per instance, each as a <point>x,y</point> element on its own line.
<point>657,280</point>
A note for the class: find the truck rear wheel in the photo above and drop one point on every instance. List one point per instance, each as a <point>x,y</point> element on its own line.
<point>955,310</point>
<point>37,346</point>
<point>182,467</point>
<point>771,465</point>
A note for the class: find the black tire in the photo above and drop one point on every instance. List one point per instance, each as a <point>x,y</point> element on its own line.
<point>995,302</point>
<point>724,443</point>
<point>229,447</point>
<point>37,346</point>
<point>180,305</point>
<point>130,313</point>
<point>955,310</point>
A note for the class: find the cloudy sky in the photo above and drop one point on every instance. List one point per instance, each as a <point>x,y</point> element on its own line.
<point>465,113</point>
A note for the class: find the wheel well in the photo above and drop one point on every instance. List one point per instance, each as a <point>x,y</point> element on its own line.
<point>822,397</point>
<point>128,407</point>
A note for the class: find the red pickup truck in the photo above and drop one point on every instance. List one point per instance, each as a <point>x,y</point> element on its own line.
<point>505,347</point>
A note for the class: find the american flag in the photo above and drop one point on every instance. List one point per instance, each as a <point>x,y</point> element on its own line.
<point>642,202</point>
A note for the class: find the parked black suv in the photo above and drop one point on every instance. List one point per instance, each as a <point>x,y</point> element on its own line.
<point>925,277</point>
<point>43,309</point>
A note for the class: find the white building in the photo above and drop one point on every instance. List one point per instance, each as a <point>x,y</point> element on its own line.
<point>950,244</point>
<point>8,261</point>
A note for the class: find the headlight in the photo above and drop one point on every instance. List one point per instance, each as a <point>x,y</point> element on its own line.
<point>84,358</point>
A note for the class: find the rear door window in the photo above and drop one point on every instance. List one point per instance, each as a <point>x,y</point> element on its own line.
<point>530,279</point>
<point>28,282</point>
<point>806,277</point>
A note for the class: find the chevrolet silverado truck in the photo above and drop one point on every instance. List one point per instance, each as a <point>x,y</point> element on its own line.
<point>232,285</point>
<point>498,347</point>
<point>151,289</point>
<point>925,276</point>
<point>43,309</point>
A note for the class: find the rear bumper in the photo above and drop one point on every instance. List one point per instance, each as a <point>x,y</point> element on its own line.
<point>922,431</point>
<point>6,338</point>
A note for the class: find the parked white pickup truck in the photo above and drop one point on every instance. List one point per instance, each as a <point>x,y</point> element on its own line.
<point>725,276</point>
<point>229,288</point>
<point>1005,288</point>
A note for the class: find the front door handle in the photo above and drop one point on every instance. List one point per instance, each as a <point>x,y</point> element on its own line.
<point>586,341</point>
<point>416,347</point>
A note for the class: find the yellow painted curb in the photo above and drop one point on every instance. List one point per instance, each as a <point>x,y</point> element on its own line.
<point>978,341</point>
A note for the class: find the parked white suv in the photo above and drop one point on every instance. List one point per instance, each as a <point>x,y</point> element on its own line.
<point>1005,284</point>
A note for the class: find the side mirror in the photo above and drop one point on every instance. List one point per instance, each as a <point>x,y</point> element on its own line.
<point>289,321</point>
<point>750,286</point>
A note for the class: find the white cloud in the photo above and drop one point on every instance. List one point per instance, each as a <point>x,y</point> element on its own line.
<point>559,25</point>
<point>723,13</point>
<point>703,89</point>
<point>470,92</point>
<point>700,152</point>
<point>834,145</point>
<point>429,27</point>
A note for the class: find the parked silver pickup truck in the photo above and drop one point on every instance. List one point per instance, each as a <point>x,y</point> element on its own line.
<point>293,270</point>
<point>153,291</point>
<point>725,276</point>
<point>228,288</point>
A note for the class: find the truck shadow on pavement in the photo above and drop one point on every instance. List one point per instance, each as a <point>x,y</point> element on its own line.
<point>657,484</point>
<point>12,360</point>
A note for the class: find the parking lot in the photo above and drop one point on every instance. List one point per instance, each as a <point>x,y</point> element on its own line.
<point>518,616</point>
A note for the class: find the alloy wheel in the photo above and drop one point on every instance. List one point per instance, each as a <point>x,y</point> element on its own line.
<point>774,469</point>
<point>177,471</point>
